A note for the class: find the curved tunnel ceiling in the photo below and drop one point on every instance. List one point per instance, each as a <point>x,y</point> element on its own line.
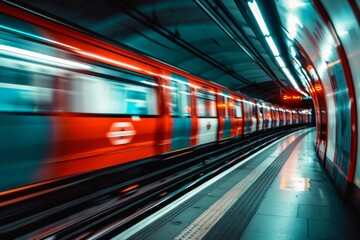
<point>215,40</point>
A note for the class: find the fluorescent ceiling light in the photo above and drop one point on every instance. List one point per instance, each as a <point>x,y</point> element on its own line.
<point>303,80</point>
<point>297,62</point>
<point>280,61</point>
<point>292,80</point>
<point>272,45</point>
<point>306,75</point>
<point>34,56</point>
<point>293,52</point>
<point>303,93</point>
<point>257,14</point>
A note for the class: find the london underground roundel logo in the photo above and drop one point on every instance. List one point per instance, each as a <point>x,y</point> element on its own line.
<point>121,133</point>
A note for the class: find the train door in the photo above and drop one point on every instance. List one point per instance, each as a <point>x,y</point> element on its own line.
<point>276,119</point>
<point>250,116</point>
<point>238,118</point>
<point>278,113</point>
<point>247,117</point>
<point>284,120</point>
<point>180,110</point>
<point>281,117</point>
<point>253,116</point>
<point>267,117</point>
<point>301,117</point>
<point>260,117</point>
<point>293,115</point>
<point>273,117</point>
<point>288,117</point>
<point>206,115</point>
<point>296,116</point>
<point>225,115</point>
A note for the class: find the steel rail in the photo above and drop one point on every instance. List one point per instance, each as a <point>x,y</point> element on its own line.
<point>90,205</point>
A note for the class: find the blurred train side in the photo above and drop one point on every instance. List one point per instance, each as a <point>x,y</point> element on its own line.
<point>70,104</point>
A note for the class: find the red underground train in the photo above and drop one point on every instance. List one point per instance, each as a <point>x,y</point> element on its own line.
<point>71,103</point>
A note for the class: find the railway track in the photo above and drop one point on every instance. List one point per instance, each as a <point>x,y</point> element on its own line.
<point>101,204</point>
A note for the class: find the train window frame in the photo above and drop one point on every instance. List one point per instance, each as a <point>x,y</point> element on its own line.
<point>27,101</point>
<point>54,107</point>
<point>180,93</point>
<point>205,94</point>
<point>248,110</point>
<point>94,68</point>
<point>127,87</point>
<point>225,100</point>
<point>237,106</point>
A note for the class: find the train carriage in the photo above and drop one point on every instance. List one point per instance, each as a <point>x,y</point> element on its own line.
<point>70,103</point>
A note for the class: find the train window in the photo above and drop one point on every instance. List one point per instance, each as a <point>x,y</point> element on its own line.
<point>31,86</point>
<point>136,101</point>
<point>238,110</point>
<point>180,93</point>
<point>96,95</point>
<point>206,106</point>
<point>23,91</point>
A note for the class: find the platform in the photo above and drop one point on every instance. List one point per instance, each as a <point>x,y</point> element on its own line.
<point>281,192</point>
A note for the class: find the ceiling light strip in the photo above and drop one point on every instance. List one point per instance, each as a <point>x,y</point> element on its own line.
<point>257,14</point>
<point>260,20</point>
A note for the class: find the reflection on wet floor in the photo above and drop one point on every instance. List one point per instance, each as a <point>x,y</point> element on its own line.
<point>295,183</point>
<point>292,209</point>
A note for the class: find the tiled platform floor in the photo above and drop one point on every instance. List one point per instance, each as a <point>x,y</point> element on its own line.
<point>302,203</point>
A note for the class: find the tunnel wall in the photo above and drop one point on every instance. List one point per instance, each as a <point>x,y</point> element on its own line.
<point>343,21</point>
<point>328,33</point>
<point>346,24</point>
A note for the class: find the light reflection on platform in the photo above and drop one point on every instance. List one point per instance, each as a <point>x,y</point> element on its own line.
<point>295,183</point>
